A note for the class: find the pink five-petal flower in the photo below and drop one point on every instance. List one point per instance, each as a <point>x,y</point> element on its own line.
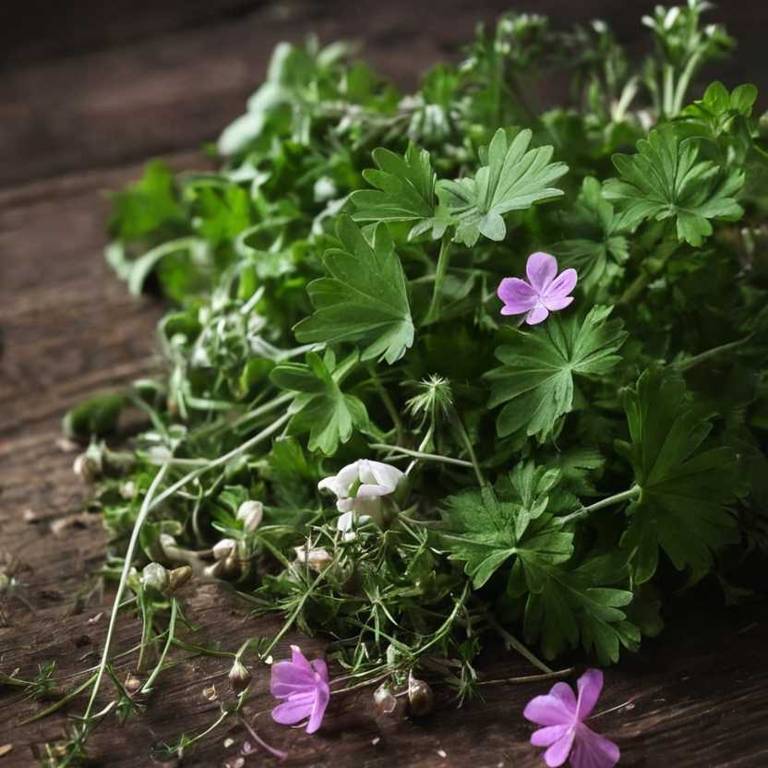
<point>303,687</point>
<point>545,291</point>
<point>564,733</point>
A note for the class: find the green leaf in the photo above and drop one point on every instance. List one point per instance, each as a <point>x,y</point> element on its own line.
<point>405,192</point>
<point>96,416</point>
<point>148,205</point>
<point>664,180</point>
<point>365,300</point>
<point>685,486</point>
<point>320,407</point>
<point>599,239</point>
<point>515,178</point>
<point>580,605</point>
<point>536,381</point>
<point>485,532</point>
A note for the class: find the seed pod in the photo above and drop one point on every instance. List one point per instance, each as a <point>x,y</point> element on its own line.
<point>132,683</point>
<point>155,578</point>
<point>421,699</point>
<point>384,700</point>
<point>250,514</point>
<point>239,676</point>
<point>178,577</point>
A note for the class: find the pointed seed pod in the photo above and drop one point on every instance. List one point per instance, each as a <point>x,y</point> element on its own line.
<point>384,700</point>
<point>421,699</point>
<point>178,577</point>
<point>239,676</point>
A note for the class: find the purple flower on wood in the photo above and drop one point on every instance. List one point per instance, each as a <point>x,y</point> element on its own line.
<point>303,686</point>
<point>545,291</point>
<point>564,733</point>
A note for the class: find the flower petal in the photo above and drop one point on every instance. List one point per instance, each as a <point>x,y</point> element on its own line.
<point>340,483</point>
<point>321,668</point>
<point>592,750</point>
<point>558,753</point>
<point>322,696</point>
<point>287,679</point>
<point>300,660</point>
<point>548,710</point>
<point>537,315</point>
<point>541,270</point>
<point>382,475</point>
<point>297,708</point>
<point>554,304</point>
<point>547,736</point>
<point>590,684</point>
<point>563,284</point>
<point>517,295</point>
<point>565,693</point>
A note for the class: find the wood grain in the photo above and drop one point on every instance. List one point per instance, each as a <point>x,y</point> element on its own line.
<point>78,117</point>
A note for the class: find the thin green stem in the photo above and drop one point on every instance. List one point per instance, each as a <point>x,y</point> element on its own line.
<point>421,455</point>
<point>557,674</point>
<point>57,705</point>
<point>221,460</point>
<point>618,498</point>
<point>443,259</point>
<point>468,445</point>
<point>702,357</point>
<point>146,506</point>
<point>512,642</point>
<point>638,285</point>
<point>147,687</point>
<point>386,399</point>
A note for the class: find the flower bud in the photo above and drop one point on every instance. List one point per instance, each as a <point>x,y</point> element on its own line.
<point>155,578</point>
<point>224,548</point>
<point>239,676</point>
<point>384,700</point>
<point>421,700</point>
<point>87,467</point>
<point>250,514</point>
<point>317,559</point>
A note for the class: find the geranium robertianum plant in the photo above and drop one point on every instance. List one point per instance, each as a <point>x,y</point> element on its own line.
<point>451,365</point>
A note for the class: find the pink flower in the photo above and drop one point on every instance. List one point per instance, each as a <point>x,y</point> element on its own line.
<point>564,732</point>
<point>545,291</point>
<point>304,687</point>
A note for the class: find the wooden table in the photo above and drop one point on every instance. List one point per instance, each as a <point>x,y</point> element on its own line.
<point>89,91</point>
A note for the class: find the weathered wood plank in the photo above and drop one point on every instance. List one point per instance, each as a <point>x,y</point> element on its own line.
<point>176,90</point>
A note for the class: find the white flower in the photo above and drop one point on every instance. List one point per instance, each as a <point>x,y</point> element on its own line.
<point>317,559</point>
<point>362,487</point>
<point>250,514</point>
